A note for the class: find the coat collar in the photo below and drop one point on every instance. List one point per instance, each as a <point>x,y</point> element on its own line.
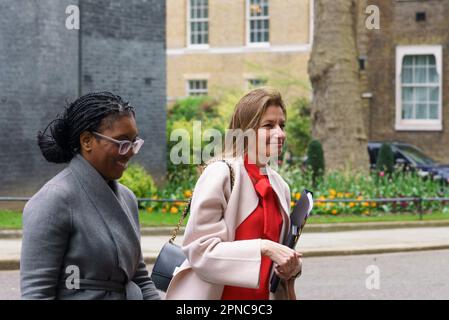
<point>113,210</point>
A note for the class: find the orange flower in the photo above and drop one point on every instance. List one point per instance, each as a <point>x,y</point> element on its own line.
<point>351,204</point>
<point>174,210</point>
<point>187,193</point>
<point>297,196</point>
<point>334,212</point>
<point>149,209</point>
<point>292,203</point>
<point>164,210</point>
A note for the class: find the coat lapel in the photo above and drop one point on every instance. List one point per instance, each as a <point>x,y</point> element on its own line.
<point>243,182</point>
<point>278,189</point>
<point>276,184</point>
<point>114,212</point>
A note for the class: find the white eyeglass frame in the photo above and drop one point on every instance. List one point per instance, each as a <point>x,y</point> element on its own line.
<point>124,145</point>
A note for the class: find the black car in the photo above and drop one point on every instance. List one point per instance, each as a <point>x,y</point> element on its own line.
<point>410,157</point>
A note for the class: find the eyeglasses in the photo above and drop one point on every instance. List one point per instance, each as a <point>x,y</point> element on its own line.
<point>124,145</point>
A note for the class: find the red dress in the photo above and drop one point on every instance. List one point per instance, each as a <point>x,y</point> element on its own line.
<point>265,222</point>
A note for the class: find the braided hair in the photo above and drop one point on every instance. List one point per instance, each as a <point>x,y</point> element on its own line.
<point>84,114</point>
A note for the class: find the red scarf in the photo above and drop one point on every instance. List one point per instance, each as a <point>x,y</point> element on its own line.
<point>270,204</point>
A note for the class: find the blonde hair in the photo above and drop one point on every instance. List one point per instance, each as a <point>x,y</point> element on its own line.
<point>247,116</point>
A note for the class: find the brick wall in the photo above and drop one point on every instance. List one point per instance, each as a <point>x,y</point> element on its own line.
<point>399,27</point>
<point>38,73</point>
<point>122,50</point>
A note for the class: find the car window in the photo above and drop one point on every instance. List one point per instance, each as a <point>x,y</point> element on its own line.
<point>416,156</point>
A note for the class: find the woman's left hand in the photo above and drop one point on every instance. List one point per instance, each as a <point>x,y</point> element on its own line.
<point>293,269</point>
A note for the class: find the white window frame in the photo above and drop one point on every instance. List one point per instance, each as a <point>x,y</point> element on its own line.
<point>189,20</point>
<point>189,91</point>
<point>417,124</point>
<point>248,27</point>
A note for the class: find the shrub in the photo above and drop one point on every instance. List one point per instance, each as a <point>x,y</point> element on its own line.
<point>385,159</point>
<point>298,127</point>
<point>139,181</point>
<point>315,160</point>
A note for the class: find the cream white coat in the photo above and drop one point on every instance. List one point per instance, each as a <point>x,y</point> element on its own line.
<point>214,259</point>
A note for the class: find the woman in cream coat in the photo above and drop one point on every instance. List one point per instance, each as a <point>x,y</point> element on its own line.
<point>215,259</point>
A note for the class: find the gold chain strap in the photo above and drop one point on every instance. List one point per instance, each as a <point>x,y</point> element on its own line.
<point>187,208</point>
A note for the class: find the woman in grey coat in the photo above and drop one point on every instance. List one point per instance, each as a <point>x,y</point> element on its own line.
<point>81,236</point>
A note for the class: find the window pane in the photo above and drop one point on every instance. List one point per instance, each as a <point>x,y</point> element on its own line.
<point>421,94</point>
<point>433,75</point>
<point>433,111</point>
<point>265,10</point>
<point>421,60</point>
<point>265,24</point>
<point>408,60</point>
<point>407,94</point>
<point>434,94</point>
<point>420,75</point>
<point>431,60</point>
<point>421,111</point>
<point>407,75</point>
<point>407,111</point>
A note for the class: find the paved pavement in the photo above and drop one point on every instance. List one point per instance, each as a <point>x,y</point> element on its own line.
<point>312,244</point>
<point>401,276</point>
<point>410,275</point>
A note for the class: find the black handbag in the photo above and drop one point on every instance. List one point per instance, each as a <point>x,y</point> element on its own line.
<point>171,256</point>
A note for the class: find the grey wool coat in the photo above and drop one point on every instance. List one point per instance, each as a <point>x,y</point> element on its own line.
<point>81,240</point>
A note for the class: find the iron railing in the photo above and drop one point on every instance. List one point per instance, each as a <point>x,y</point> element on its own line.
<point>418,201</point>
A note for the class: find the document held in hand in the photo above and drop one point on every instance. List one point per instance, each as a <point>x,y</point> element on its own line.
<point>298,218</point>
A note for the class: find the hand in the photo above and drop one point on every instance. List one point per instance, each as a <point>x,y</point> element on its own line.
<point>287,261</point>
